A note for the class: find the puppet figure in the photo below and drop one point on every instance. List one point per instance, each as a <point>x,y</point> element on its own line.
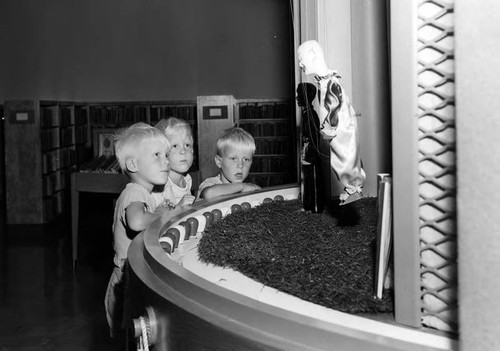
<point>312,183</point>
<point>337,121</point>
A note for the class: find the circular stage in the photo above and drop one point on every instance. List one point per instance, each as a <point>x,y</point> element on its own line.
<point>196,306</point>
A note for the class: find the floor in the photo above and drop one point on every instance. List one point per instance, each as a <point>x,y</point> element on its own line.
<point>44,303</point>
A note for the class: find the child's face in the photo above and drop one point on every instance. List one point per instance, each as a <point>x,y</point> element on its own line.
<point>235,163</point>
<point>152,163</point>
<point>181,152</point>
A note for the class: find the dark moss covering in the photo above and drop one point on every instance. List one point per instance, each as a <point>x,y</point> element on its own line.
<point>325,258</point>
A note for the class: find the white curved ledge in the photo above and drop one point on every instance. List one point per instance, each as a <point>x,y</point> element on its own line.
<point>200,283</point>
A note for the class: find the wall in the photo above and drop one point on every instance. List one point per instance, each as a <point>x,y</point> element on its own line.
<point>477,65</point>
<point>334,35</point>
<point>370,81</point>
<point>144,49</point>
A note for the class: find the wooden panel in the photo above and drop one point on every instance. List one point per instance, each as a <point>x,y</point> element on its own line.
<point>2,173</point>
<point>209,130</point>
<point>23,165</point>
<point>99,182</point>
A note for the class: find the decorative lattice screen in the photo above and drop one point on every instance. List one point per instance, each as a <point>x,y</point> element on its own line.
<point>436,119</point>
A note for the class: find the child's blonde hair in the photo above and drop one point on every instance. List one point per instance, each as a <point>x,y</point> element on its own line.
<point>128,139</point>
<point>173,125</point>
<point>236,137</point>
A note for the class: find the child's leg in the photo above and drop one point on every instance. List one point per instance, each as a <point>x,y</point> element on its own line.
<point>112,302</point>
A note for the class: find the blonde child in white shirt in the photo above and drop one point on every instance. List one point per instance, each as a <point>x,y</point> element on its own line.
<point>141,151</point>
<point>177,190</point>
<point>235,150</point>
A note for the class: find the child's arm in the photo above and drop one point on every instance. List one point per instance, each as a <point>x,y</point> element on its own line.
<point>137,217</point>
<point>225,189</point>
<point>186,200</point>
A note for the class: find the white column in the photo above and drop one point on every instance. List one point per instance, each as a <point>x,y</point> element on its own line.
<point>477,33</point>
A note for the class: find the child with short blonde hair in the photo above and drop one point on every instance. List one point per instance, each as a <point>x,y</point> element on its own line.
<point>141,151</point>
<point>235,150</point>
<point>177,190</point>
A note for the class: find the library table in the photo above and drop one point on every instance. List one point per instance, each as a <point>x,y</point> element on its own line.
<point>92,182</point>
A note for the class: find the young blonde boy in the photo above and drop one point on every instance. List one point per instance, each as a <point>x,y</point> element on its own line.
<point>141,151</point>
<point>235,150</point>
<point>177,190</point>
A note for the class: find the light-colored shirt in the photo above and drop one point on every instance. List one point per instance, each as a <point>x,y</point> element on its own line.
<point>123,235</point>
<point>172,192</point>
<point>209,182</point>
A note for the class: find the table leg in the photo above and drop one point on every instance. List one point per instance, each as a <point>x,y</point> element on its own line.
<point>75,202</point>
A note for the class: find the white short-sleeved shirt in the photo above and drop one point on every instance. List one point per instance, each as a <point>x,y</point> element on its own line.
<point>172,192</point>
<point>122,235</point>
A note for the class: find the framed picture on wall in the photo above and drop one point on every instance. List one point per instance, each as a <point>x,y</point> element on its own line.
<point>104,142</point>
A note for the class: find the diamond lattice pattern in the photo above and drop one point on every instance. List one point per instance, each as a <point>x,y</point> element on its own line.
<point>436,122</point>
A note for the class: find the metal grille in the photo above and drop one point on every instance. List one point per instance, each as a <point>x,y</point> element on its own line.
<point>437,186</point>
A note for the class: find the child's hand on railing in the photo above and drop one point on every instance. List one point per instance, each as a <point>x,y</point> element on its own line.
<point>186,200</point>
<point>247,187</point>
<point>166,204</point>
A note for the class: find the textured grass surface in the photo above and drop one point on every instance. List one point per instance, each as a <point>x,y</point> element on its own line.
<point>326,258</point>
